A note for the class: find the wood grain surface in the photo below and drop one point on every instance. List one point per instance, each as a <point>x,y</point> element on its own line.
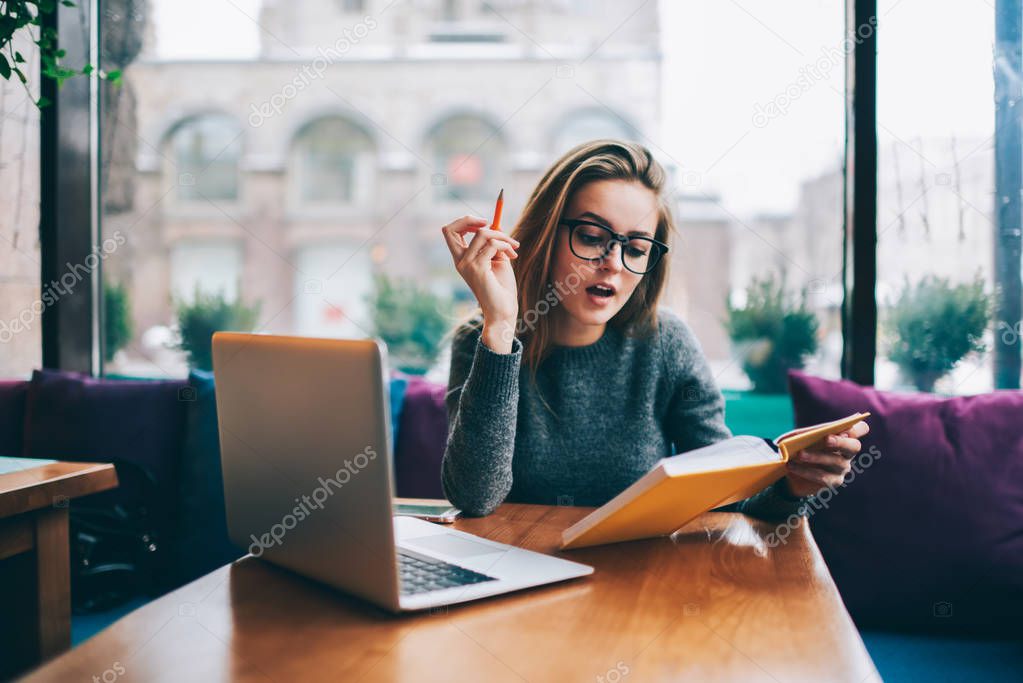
<point>712,603</point>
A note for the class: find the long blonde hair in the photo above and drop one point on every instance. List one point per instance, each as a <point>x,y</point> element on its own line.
<point>537,230</point>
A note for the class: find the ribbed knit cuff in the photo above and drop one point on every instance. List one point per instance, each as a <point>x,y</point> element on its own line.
<point>775,504</point>
<point>496,375</point>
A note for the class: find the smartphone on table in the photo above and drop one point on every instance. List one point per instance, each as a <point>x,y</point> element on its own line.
<point>431,509</point>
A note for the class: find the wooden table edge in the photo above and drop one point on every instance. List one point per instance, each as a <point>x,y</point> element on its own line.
<point>95,650</point>
<point>78,479</point>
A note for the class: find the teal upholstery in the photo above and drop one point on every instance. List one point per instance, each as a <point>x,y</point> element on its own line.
<point>907,658</point>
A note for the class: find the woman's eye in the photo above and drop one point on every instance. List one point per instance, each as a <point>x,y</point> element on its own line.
<point>636,251</point>
<point>590,240</point>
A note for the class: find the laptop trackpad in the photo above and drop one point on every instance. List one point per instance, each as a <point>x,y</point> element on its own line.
<point>451,545</point>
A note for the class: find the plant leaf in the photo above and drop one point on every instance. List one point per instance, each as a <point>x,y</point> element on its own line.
<point>5,68</point>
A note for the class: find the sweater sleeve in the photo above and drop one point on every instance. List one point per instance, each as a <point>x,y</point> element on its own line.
<point>696,416</point>
<point>482,404</point>
<point>696,408</point>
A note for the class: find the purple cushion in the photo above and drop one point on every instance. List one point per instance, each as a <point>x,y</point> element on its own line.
<point>73,417</point>
<point>422,435</point>
<point>12,416</point>
<point>929,531</point>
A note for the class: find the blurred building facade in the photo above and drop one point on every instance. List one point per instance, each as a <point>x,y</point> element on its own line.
<point>357,131</point>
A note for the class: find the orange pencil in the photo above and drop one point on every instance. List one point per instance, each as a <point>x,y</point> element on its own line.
<point>497,211</point>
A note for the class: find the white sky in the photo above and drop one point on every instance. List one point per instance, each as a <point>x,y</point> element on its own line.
<point>723,58</point>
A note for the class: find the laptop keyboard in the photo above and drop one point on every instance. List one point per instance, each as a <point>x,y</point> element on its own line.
<point>422,576</point>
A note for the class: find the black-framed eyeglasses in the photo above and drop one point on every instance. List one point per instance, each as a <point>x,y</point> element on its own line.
<point>593,242</point>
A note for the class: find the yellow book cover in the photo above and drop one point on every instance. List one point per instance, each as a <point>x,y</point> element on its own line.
<point>684,486</point>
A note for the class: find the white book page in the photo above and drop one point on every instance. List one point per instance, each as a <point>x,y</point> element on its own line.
<point>735,452</point>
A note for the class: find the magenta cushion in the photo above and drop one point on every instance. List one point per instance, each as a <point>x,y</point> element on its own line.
<point>70,416</point>
<point>929,531</point>
<point>422,435</point>
<point>12,417</point>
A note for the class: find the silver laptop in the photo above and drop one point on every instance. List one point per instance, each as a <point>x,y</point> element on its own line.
<point>305,444</point>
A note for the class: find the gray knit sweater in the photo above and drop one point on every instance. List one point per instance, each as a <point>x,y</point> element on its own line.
<point>613,409</point>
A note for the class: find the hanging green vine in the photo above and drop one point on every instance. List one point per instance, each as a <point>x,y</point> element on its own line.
<point>28,15</point>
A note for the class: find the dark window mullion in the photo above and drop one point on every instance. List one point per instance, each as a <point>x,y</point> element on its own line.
<point>859,310</point>
<point>66,202</point>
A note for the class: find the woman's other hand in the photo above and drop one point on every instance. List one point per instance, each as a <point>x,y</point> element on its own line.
<point>824,464</point>
<point>485,265</point>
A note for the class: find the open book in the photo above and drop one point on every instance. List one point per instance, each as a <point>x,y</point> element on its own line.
<point>683,486</point>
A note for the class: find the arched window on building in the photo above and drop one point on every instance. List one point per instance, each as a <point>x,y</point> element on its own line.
<point>205,151</point>
<point>589,124</point>
<point>333,161</point>
<point>470,154</point>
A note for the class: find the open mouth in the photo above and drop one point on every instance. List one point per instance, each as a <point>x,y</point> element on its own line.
<point>601,290</point>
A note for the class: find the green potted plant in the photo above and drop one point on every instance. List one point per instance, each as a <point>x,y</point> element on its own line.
<point>117,323</point>
<point>933,325</point>
<point>411,320</point>
<point>776,333</point>
<point>205,314</point>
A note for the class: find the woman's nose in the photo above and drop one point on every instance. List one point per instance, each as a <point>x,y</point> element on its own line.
<point>612,261</point>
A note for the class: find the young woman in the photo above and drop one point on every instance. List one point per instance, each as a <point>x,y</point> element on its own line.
<point>570,384</point>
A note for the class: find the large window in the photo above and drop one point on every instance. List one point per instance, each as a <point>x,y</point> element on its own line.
<point>293,172</point>
<point>936,195</point>
<point>754,97</point>
<point>292,167</point>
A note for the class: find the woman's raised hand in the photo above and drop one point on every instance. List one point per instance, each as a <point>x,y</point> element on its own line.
<point>485,265</point>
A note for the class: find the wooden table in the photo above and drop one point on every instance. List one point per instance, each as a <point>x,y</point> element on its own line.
<point>712,604</point>
<point>35,570</point>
